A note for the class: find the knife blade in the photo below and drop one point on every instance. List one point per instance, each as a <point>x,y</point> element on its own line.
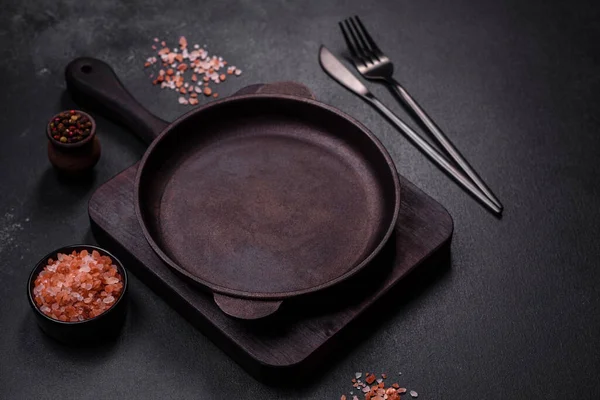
<point>340,73</point>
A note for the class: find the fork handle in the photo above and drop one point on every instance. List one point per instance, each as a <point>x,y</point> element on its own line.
<point>433,154</point>
<point>442,139</point>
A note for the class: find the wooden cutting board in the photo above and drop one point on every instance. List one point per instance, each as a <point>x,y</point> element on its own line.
<point>304,333</point>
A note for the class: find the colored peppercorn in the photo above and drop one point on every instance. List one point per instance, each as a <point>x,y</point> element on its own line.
<point>70,127</point>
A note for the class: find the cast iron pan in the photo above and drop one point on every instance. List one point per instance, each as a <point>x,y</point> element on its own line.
<point>257,197</point>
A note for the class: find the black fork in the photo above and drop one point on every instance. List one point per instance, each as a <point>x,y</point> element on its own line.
<point>373,64</point>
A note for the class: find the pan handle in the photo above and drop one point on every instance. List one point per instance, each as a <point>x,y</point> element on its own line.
<point>245,308</point>
<point>94,82</point>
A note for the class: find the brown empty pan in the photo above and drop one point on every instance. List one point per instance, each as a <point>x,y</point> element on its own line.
<point>257,197</point>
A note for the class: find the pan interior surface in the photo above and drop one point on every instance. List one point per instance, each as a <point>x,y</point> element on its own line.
<point>266,197</point>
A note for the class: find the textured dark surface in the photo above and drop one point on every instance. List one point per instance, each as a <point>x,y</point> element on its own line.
<point>514,83</point>
<point>305,330</point>
<point>287,197</point>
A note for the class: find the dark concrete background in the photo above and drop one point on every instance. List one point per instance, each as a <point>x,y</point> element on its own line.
<point>514,83</point>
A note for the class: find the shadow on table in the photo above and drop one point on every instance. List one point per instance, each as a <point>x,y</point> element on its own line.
<point>59,192</point>
<point>420,280</point>
<point>33,340</point>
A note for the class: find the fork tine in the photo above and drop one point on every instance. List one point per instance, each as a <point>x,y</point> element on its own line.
<point>374,46</point>
<point>365,46</point>
<point>356,43</point>
<point>349,44</point>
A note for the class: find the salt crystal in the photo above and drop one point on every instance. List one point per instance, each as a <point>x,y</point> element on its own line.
<point>85,268</point>
<point>156,39</point>
<point>379,380</point>
<point>45,309</point>
<point>366,389</point>
<point>196,46</point>
<point>183,100</point>
<point>358,375</point>
<point>414,394</point>
<point>238,72</point>
<point>108,299</point>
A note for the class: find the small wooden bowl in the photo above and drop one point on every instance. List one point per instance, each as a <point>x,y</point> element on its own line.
<point>74,158</point>
<point>91,331</point>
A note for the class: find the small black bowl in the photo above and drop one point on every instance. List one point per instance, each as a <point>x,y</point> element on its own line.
<point>95,330</point>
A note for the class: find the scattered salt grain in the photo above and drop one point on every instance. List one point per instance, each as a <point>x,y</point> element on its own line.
<point>194,65</point>
<point>414,394</point>
<point>358,375</point>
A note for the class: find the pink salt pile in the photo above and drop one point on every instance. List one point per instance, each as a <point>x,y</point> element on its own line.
<point>189,71</point>
<point>77,286</point>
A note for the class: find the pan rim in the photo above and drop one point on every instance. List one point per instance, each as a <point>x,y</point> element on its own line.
<point>214,288</point>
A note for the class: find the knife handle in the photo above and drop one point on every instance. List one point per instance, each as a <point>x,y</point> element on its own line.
<point>432,153</point>
<point>441,138</point>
